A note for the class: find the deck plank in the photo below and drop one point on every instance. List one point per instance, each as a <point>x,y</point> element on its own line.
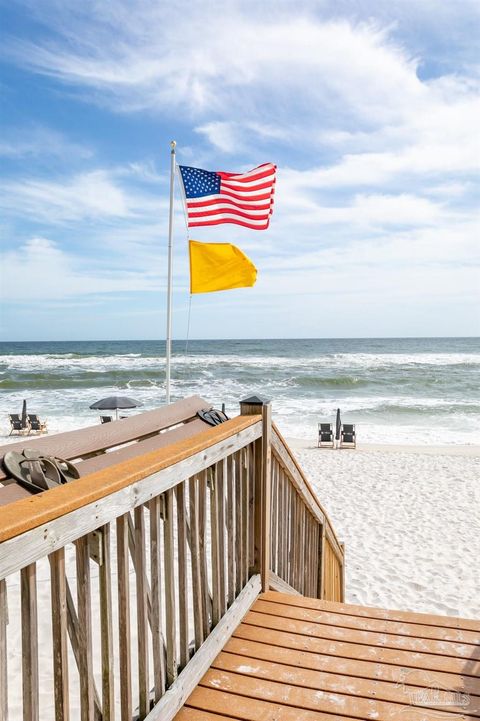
<point>406,659</point>
<point>282,619</point>
<point>253,709</point>
<point>195,714</point>
<point>353,668</point>
<point>315,700</point>
<point>380,625</point>
<point>350,609</point>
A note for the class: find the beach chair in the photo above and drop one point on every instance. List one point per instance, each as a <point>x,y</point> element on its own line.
<point>16,424</point>
<point>348,436</point>
<point>35,425</point>
<point>325,435</point>
<point>106,419</point>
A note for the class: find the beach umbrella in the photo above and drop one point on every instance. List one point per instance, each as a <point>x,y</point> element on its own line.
<point>114,403</point>
<point>24,414</point>
<point>338,425</point>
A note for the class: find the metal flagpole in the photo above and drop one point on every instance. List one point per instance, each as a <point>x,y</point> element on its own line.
<point>168,349</point>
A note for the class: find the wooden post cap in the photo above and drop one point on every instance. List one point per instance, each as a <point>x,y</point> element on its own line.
<point>254,405</point>
<point>255,400</point>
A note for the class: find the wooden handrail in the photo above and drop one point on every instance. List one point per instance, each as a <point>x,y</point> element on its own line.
<point>26,514</point>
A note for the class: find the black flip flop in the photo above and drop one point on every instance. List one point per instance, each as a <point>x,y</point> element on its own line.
<point>68,472</point>
<point>212,416</point>
<point>36,475</point>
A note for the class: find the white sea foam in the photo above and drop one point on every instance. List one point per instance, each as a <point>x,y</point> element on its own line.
<point>340,360</point>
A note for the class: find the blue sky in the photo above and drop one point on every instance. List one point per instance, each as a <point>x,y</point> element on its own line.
<point>370,109</point>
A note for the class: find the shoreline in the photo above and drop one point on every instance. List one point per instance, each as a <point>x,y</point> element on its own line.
<point>467,450</point>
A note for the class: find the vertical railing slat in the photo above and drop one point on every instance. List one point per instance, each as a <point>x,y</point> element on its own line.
<point>3,651</point>
<point>230,531</point>
<point>251,507</point>
<point>28,590</point>
<point>124,640</point>
<point>282,522</point>
<point>142,613</point>
<point>298,542</point>
<point>85,667</point>
<point>304,550</point>
<point>245,467</point>
<point>222,590</point>
<point>288,519</point>
<point>170,616</point>
<point>257,505</point>
<point>195,561</point>
<point>322,571</point>
<point>286,497</point>
<point>274,518</point>
<point>59,634</point>
<point>301,547</point>
<point>106,625</point>
<point>182,574</point>
<point>215,544</point>
<point>317,557</point>
<point>238,522</point>
<point>314,547</point>
<point>311,556</point>
<point>202,517</point>
<point>266,481</point>
<point>155,572</point>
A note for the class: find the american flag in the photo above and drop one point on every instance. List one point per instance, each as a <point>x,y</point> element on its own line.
<point>242,198</point>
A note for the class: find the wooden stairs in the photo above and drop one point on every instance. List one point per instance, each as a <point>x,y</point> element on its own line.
<point>294,658</point>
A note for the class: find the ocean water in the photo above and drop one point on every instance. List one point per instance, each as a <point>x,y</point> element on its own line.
<point>396,390</point>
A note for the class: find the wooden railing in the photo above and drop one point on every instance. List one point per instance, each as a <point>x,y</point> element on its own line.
<point>305,551</point>
<point>139,573</point>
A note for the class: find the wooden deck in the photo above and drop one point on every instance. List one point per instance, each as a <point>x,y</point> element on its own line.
<point>301,659</point>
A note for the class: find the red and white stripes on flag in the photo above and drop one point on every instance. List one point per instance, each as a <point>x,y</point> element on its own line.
<point>241,198</point>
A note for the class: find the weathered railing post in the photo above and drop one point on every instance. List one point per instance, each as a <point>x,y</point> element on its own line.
<point>3,651</point>
<point>256,405</point>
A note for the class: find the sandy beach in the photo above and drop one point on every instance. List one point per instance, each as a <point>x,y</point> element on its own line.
<point>410,520</point>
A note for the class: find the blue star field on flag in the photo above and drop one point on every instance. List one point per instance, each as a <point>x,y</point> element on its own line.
<point>199,182</point>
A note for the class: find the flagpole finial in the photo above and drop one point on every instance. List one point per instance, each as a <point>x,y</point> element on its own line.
<point>173,145</point>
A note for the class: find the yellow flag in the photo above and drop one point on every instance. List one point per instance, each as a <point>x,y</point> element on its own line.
<point>219,266</point>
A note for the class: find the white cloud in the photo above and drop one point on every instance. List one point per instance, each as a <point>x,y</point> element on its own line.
<point>41,270</point>
<point>92,195</point>
<point>234,137</point>
<point>154,60</point>
<point>298,206</point>
<point>222,135</point>
<point>38,141</point>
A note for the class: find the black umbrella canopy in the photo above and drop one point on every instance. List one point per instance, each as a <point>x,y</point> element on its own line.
<point>113,403</point>
<point>338,424</point>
